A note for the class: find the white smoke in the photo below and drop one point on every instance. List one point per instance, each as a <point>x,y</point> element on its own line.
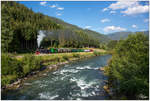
<point>40,37</point>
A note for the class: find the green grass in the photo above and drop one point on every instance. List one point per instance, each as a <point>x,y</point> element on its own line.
<point>97,53</point>
<point>76,55</point>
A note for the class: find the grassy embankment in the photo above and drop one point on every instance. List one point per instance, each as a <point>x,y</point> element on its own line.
<point>16,66</point>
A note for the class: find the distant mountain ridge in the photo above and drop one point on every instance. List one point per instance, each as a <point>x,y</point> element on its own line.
<point>123,35</point>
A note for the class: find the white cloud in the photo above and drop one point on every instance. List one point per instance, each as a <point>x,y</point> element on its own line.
<point>136,10</point>
<point>122,5</point>
<point>43,3</point>
<point>87,27</point>
<point>53,6</point>
<point>146,20</point>
<point>114,28</point>
<point>105,9</point>
<point>58,14</point>
<point>128,7</point>
<point>134,26</point>
<point>105,20</point>
<point>60,8</point>
<point>112,12</point>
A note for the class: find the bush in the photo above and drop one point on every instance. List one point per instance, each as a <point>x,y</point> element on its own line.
<point>65,57</point>
<point>13,68</point>
<point>57,59</point>
<point>76,55</point>
<point>111,44</point>
<point>8,79</point>
<point>97,53</point>
<point>10,66</point>
<point>30,63</point>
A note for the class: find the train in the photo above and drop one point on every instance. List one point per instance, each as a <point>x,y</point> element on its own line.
<point>60,50</point>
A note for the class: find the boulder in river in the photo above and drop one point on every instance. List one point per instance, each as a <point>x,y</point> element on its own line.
<point>17,82</point>
<point>18,86</point>
<point>102,68</point>
<point>108,90</point>
<point>44,74</point>
<point>9,86</point>
<point>27,84</point>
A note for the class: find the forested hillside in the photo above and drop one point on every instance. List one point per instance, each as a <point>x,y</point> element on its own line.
<point>123,35</point>
<point>101,37</point>
<point>20,27</point>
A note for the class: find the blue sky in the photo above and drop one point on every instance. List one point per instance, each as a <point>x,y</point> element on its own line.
<point>101,16</point>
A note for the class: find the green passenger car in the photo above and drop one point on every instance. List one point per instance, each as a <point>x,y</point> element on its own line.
<point>52,50</point>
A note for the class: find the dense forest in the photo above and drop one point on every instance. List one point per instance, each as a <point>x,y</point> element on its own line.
<point>21,26</point>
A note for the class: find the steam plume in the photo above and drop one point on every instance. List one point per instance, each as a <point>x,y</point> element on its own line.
<point>40,37</point>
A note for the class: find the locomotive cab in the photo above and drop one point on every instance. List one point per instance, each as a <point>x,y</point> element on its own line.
<point>37,52</point>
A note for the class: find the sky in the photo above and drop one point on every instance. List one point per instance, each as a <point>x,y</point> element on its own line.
<point>101,16</point>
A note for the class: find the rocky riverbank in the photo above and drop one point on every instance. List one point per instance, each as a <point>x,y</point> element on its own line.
<point>41,72</point>
<point>106,87</point>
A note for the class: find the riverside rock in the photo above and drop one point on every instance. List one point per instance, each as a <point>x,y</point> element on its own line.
<point>108,90</point>
<point>18,86</point>
<point>102,68</point>
<point>27,84</point>
<point>17,82</point>
<point>44,74</point>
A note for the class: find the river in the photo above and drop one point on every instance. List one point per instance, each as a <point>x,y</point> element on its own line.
<point>79,80</point>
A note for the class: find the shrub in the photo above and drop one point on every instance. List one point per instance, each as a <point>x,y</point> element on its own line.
<point>76,55</point>
<point>8,79</point>
<point>97,53</point>
<point>30,63</point>
<point>10,66</point>
<point>65,57</point>
<point>57,59</point>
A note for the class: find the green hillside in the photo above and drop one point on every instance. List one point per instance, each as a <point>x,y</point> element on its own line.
<point>20,27</point>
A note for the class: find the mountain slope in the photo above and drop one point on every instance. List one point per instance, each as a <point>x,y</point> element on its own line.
<point>101,37</point>
<point>123,35</point>
<point>119,35</point>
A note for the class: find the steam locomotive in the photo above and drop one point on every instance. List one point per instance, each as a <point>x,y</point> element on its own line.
<point>60,50</point>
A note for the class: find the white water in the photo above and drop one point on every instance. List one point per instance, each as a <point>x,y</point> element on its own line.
<point>79,80</point>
